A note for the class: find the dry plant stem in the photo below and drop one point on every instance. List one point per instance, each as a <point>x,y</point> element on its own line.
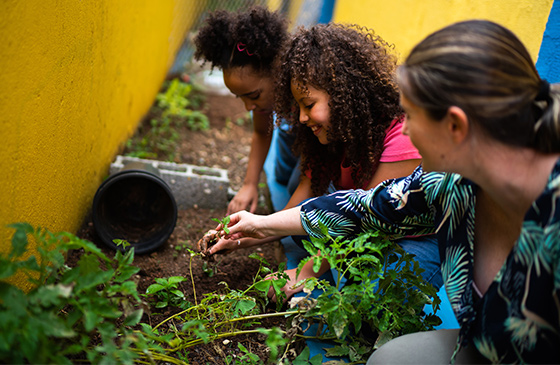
<point>192,281</point>
<point>159,357</point>
<point>256,316</point>
<point>217,337</point>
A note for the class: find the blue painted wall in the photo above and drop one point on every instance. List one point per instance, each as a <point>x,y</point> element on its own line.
<point>548,63</point>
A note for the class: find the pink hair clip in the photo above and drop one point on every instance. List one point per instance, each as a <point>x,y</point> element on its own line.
<point>243,47</point>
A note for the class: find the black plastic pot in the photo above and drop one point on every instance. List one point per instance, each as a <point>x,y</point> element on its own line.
<point>135,205</point>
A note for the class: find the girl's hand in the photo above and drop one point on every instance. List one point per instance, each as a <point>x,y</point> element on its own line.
<point>306,272</point>
<point>248,195</point>
<point>290,288</point>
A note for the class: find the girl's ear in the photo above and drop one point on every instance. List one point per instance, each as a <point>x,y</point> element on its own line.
<point>457,124</point>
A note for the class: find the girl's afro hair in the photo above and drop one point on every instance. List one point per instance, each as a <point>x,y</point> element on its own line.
<point>237,39</point>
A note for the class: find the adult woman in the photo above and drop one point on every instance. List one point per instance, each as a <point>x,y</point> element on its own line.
<point>478,111</point>
<point>245,44</point>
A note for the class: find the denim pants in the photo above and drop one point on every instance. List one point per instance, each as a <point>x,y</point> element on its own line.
<point>281,167</point>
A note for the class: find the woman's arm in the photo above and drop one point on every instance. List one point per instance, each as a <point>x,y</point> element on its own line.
<point>228,245</point>
<point>399,207</point>
<point>248,195</point>
<point>283,223</point>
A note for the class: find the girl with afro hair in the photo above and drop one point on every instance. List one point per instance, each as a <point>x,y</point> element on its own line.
<point>245,45</point>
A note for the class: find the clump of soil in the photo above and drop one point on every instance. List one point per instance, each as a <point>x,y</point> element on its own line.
<point>225,145</point>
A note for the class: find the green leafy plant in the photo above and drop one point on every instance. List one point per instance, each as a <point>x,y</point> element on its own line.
<point>160,139</point>
<point>166,292</point>
<point>303,358</point>
<point>224,222</point>
<point>68,307</point>
<point>246,359</point>
<point>92,312</point>
<point>174,101</point>
<point>224,314</point>
<point>382,298</point>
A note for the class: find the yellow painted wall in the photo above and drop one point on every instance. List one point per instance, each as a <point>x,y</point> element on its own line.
<point>76,77</point>
<point>406,22</point>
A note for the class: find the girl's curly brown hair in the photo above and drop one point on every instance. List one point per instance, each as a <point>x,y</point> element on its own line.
<point>355,68</point>
<point>259,31</point>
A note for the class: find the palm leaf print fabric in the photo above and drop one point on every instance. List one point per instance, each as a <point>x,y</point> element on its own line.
<point>518,318</point>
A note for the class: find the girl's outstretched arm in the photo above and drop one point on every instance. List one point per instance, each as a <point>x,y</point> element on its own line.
<point>283,223</point>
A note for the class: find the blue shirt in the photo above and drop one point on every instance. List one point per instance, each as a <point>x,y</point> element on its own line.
<point>518,318</point>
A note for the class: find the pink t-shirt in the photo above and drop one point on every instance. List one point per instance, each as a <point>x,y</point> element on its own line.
<point>396,147</point>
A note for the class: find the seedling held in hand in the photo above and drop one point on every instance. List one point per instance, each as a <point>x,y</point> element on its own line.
<point>211,237</point>
<point>224,222</point>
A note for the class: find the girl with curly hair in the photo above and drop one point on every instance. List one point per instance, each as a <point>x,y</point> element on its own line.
<point>348,129</point>
<point>245,45</point>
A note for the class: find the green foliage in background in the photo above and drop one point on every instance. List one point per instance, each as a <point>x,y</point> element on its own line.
<point>177,106</point>
<point>174,101</point>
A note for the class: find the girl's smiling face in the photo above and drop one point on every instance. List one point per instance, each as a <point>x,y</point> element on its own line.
<point>314,109</point>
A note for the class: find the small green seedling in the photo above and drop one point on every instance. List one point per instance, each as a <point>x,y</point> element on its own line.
<point>224,222</point>
<point>122,243</point>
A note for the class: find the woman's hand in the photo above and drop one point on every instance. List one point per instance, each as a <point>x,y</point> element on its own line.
<point>248,195</point>
<point>243,224</point>
<point>224,246</point>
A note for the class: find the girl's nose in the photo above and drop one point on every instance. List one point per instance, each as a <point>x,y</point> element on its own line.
<point>249,105</point>
<point>303,118</point>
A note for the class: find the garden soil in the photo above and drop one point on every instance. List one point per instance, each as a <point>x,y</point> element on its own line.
<point>225,145</point>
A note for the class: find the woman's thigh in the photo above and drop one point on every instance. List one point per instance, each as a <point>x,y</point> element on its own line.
<point>431,347</point>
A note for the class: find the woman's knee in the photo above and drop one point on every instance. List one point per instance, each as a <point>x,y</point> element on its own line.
<point>431,347</point>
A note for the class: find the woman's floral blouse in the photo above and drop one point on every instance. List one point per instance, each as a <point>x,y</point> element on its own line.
<point>518,318</point>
